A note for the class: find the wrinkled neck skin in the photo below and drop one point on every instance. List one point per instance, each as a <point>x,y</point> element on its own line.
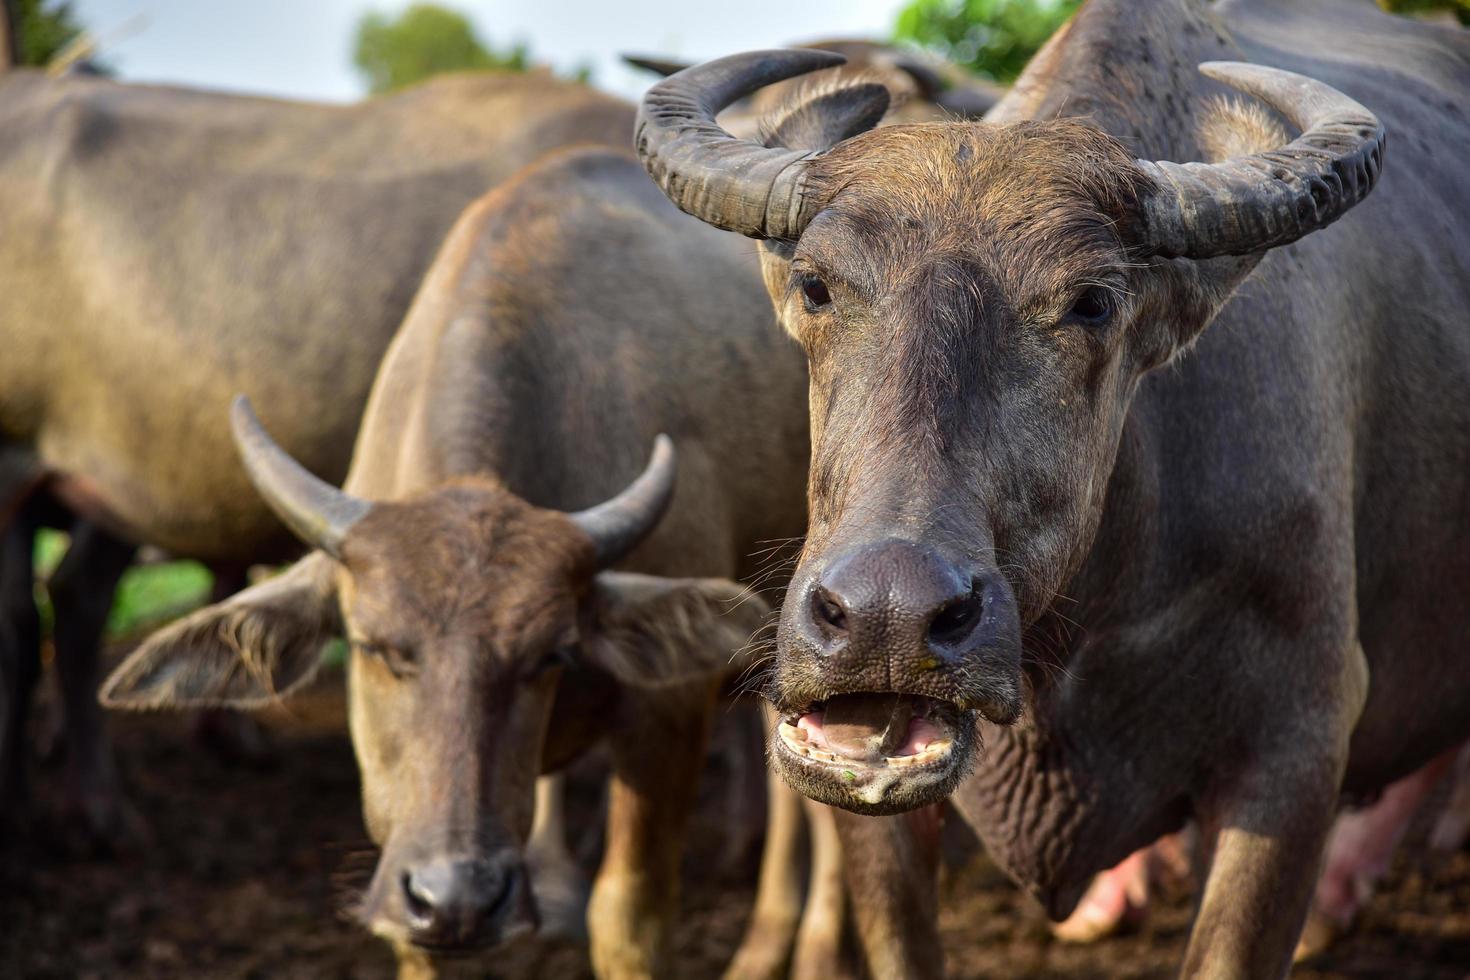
<point>1073,787</point>
<point>1036,798</point>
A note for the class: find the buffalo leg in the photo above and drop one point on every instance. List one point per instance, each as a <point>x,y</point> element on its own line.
<point>818,952</point>
<point>1453,826</point>
<point>1359,852</point>
<point>766,947</point>
<point>20,656</point>
<point>744,746</point>
<point>1123,893</point>
<point>1266,833</point>
<point>892,869</point>
<point>657,755</point>
<point>82,589</point>
<point>556,880</point>
<point>1112,897</point>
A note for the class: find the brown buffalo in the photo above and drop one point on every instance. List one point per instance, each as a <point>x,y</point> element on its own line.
<point>1229,590</point>
<point>469,556</point>
<point>164,248</point>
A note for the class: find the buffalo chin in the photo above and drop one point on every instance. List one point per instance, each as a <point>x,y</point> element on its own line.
<point>913,773</point>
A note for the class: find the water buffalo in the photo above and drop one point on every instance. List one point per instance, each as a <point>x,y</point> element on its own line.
<point>921,88</point>
<point>1230,590</point>
<point>164,248</point>
<point>468,557</point>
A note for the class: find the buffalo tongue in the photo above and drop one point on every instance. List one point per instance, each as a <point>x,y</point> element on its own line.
<point>867,727</point>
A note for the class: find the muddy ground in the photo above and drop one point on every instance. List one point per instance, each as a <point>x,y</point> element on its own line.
<point>248,872</point>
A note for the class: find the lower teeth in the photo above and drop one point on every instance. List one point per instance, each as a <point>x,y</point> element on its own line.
<point>796,739</point>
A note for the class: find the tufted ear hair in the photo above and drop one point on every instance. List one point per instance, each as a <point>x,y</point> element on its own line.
<point>650,631</point>
<point>820,120</point>
<point>248,651</point>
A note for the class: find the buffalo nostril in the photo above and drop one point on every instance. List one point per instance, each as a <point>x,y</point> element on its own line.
<point>420,905</point>
<point>501,890</point>
<point>957,620</point>
<point>829,610</point>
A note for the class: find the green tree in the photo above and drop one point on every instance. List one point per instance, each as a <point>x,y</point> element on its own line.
<point>1460,8</point>
<point>993,38</point>
<point>43,27</point>
<point>996,38</point>
<point>424,40</point>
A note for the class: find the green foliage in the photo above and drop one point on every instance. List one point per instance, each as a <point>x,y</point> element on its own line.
<point>996,38</point>
<point>151,594</point>
<point>146,596</point>
<point>1460,8</point>
<point>424,40</point>
<point>993,38</point>
<point>45,27</point>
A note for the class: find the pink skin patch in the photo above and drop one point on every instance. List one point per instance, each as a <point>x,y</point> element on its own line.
<point>1363,842</point>
<point>1120,896</point>
<point>920,735</point>
<point>1110,899</point>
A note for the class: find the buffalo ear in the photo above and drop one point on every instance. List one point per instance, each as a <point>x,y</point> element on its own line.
<point>248,651</point>
<point>649,631</point>
<point>822,120</point>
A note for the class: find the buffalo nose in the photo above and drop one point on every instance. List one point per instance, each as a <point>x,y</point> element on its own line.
<point>901,597</point>
<point>460,902</point>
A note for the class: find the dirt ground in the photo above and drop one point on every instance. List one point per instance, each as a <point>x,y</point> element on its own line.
<point>248,870</point>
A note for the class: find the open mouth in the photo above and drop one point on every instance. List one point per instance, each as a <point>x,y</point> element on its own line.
<point>876,752</point>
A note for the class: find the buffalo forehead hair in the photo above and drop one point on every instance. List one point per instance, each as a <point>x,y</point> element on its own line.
<point>951,225</point>
<point>1045,197</point>
<point>471,548</point>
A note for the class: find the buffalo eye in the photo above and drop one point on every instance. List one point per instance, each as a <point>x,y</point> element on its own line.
<point>562,654</point>
<point>814,291</point>
<point>399,662</point>
<point>1092,308</point>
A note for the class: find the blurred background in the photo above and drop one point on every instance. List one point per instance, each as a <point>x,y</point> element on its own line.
<point>338,50</point>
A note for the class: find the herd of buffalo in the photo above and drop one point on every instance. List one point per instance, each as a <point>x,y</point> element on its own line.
<point>1122,417</point>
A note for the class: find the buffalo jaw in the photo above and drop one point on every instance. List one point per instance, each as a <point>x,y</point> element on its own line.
<point>877,754</point>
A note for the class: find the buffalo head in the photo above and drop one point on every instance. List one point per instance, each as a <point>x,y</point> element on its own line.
<point>466,608</point>
<point>977,303</point>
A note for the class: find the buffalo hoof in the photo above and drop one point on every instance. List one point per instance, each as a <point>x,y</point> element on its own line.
<point>764,952</point>
<point>1116,898</point>
<point>1320,932</point>
<point>1119,897</point>
<point>1451,831</point>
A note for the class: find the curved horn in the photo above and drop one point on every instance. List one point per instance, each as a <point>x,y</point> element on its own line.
<point>1252,203</point>
<point>617,525</point>
<point>659,66</point>
<point>315,511</point>
<point>970,100</point>
<point>734,184</point>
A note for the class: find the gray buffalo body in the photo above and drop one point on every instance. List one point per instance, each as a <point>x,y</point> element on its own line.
<point>1179,515</point>
<point>163,249</point>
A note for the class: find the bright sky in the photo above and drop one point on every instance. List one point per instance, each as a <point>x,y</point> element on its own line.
<point>303,48</point>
